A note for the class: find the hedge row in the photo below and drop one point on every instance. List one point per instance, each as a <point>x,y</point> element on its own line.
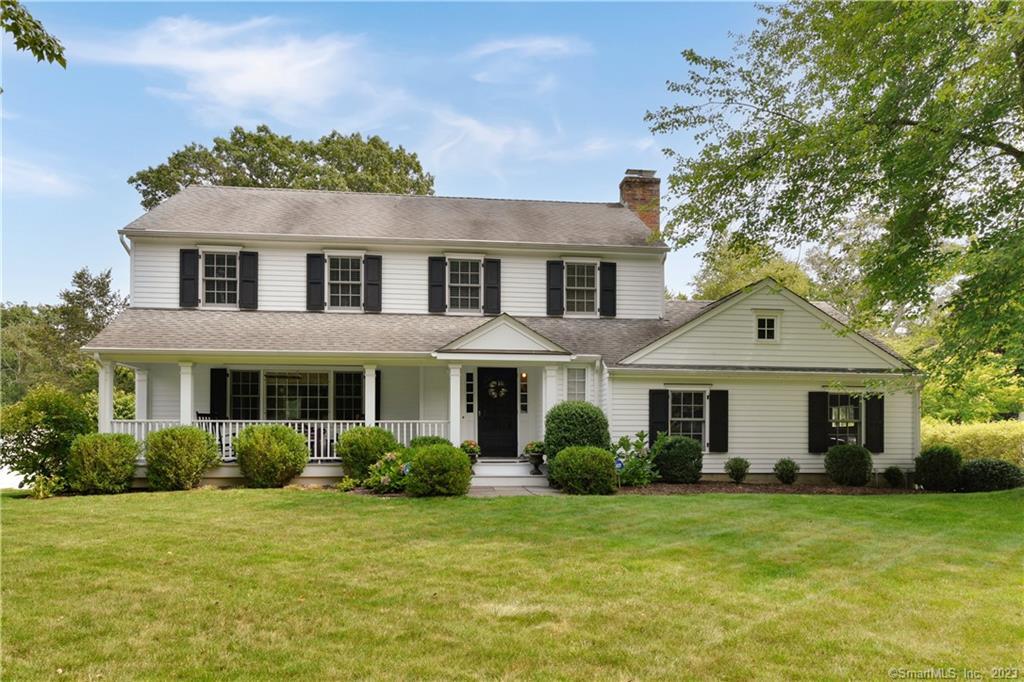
<point>990,440</point>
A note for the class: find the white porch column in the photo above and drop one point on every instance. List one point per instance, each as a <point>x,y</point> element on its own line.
<point>185,414</point>
<point>455,404</point>
<point>549,393</point>
<point>142,394</point>
<point>106,396</point>
<point>370,394</point>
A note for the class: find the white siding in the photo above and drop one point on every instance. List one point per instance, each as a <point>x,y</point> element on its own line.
<point>767,421</point>
<point>399,393</point>
<point>433,394</point>
<point>524,285</point>
<point>154,275</point>
<point>404,282</point>
<point>640,287</point>
<point>282,278</point>
<point>727,338</point>
<point>164,391</point>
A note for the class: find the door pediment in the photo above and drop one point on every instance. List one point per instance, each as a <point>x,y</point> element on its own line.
<point>503,334</point>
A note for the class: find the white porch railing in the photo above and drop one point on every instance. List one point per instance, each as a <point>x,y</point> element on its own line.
<point>321,435</point>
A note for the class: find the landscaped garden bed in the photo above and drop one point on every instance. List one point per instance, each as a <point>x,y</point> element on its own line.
<point>730,487</point>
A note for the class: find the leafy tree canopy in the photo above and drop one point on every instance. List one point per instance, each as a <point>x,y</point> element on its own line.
<point>729,266</point>
<point>29,34</point>
<point>911,112</point>
<point>262,158</point>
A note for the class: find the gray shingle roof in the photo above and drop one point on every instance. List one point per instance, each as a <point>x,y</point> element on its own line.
<point>237,212</point>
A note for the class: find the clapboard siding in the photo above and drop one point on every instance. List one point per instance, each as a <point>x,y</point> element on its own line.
<point>523,285</point>
<point>154,275</point>
<point>727,338</point>
<point>282,279</point>
<point>641,287</point>
<point>164,391</point>
<point>767,421</point>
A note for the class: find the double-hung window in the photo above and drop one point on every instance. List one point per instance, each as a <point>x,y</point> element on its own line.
<point>845,412</point>
<point>463,285</point>
<point>580,287</point>
<point>220,278</point>
<point>686,416</point>
<point>576,383</point>
<point>348,396</point>
<point>344,282</point>
<point>245,394</point>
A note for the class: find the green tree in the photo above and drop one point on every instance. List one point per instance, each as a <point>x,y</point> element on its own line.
<point>729,265</point>
<point>912,111</point>
<point>28,33</point>
<point>262,158</point>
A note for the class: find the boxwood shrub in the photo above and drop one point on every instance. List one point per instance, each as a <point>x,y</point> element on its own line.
<point>102,462</point>
<point>420,441</point>
<point>786,470</point>
<point>438,470</point>
<point>938,468</point>
<point>848,464</point>
<point>575,422</point>
<point>737,468</point>
<point>982,475</point>
<point>584,470</point>
<point>895,477</point>
<point>270,455</point>
<point>678,459</point>
<point>361,446</point>
<point>177,457</point>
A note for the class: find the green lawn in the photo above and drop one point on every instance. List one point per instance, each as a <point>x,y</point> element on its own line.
<point>262,584</point>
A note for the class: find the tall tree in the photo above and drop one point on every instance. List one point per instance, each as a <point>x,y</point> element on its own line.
<point>729,266</point>
<point>262,158</point>
<point>913,112</point>
<point>28,33</point>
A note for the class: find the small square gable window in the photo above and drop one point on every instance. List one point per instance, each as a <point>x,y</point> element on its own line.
<point>766,326</point>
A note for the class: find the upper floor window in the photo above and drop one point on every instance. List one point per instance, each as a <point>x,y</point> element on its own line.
<point>580,287</point>
<point>220,278</point>
<point>344,282</point>
<point>463,284</point>
<point>576,383</point>
<point>844,419</point>
<point>686,414</point>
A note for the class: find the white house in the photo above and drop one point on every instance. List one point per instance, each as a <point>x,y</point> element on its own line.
<point>469,318</point>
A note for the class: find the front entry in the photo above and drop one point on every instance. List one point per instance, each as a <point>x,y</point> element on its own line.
<point>497,418</point>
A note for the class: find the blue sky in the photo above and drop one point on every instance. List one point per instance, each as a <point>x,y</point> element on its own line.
<point>514,100</point>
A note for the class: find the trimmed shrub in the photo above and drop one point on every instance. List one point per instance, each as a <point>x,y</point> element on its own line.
<point>421,441</point>
<point>678,459</point>
<point>584,470</point>
<point>572,423</point>
<point>895,477</point>
<point>737,468</point>
<point>388,474</point>
<point>177,457</point>
<point>102,463</point>
<point>438,470</point>
<point>37,432</point>
<point>938,468</point>
<point>270,455</point>
<point>983,475</point>
<point>989,440</point>
<point>848,464</point>
<point>786,470</point>
<point>361,446</point>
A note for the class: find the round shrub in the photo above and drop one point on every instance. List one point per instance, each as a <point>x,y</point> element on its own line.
<point>895,477</point>
<point>584,470</point>
<point>438,470</point>
<point>575,422</point>
<point>270,455</point>
<point>786,470</point>
<point>177,457</point>
<point>848,464</point>
<point>737,468</point>
<point>938,468</point>
<point>982,475</point>
<point>102,463</point>
<point>678,459</point>
<point>420,441</point>
<point>361,446</point>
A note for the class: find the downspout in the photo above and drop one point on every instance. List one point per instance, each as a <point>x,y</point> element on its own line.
<point>124,244</point>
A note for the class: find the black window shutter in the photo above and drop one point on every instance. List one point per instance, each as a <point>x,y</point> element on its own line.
<point>657,414</point>
<point>435,284</point>
<point>874,423</point>
<point>372,271</point>
<point>315,281</point>
<point>376,394</point>
<point>492,286</point>
<point>556,295</point>
<point>607,289</point>
<point>188,278</point>
<point>248,280</point>
<point>817,421</point>
<point>718,421</point>
<point>218,393</point>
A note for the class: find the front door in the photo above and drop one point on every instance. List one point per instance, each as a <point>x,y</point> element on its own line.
<point>497,419</point>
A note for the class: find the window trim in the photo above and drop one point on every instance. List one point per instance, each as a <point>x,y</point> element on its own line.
<point>706,392</point>
<point>773,314</point>
<point>328,255</point>
<point>479,260</point>
<point>861,421</point>
<point>225,251</point>
<point>596,262</point>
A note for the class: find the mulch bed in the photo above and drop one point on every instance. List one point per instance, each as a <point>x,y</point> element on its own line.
<point>727,487</point>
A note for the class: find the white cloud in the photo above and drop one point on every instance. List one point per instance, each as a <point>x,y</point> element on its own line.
<point>26,177</point>
<point>530,46</point>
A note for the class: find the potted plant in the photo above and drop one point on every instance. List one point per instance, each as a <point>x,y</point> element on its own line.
<point>472,449</point>
<point>534,450</point>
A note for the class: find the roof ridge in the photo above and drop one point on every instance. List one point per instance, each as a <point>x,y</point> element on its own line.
<point>610,204</point>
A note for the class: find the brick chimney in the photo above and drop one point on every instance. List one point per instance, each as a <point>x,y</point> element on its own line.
<point>640,192</point>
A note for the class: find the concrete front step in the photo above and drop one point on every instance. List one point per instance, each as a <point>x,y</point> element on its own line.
<point>500,474</point>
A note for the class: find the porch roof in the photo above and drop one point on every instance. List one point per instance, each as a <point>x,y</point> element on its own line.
<point>139,330</point>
